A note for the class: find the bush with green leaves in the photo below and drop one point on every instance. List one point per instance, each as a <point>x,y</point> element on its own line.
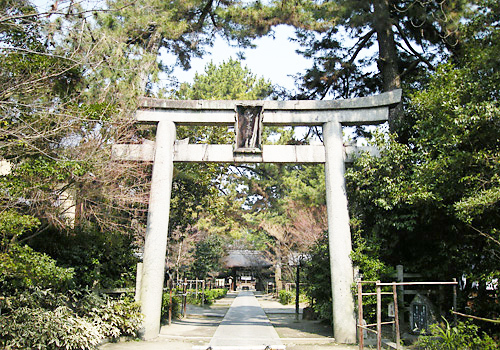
<point>205,298</point>
<point>42,319</point>
<point>317,276</point>
<point>114,317</point>
<point>463,336</point>
<point>285,297</point>
<point>13,224</point>
<point>176,306</point>
<point>22,268</point>
<point>39,328</point>
<point>97,258</point>
<point>213,294</point>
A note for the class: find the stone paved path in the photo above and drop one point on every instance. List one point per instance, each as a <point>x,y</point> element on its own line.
<point>245,326</point>
<point>198,329</point>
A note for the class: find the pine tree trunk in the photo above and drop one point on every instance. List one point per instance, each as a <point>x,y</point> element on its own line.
<point>388,59</point>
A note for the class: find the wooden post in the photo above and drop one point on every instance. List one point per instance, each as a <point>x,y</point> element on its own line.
<point>360,315</point>
<point>401,293</point>
<point>170,305</point>
<point>454,301</point>
<point>396,315</point>
<point>203,292</point>
<point>184,299</point>
<point>379,316</point>
<point>297,292</point>
<point>196,282</point>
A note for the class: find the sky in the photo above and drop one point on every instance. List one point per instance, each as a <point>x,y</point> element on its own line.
<point>274,59</point>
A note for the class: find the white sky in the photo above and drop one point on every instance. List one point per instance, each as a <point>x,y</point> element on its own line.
<point>274,59</point>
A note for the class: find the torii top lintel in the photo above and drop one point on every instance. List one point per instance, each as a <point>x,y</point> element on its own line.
<point>356,111</point>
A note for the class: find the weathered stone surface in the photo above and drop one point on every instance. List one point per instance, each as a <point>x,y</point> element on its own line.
<point>339,236</point>
<point>155,244</point>
<point>359,116</point>
<point>143,152</point>
<point>384,99</point>
<point>184,152</point>
<point>331,115</point>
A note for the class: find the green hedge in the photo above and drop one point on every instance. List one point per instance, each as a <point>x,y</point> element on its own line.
<point>464,336</point>
<point>285,297</point>
<point>210,295</point>
<point>176,306</point>
<point>23,268</point>
<point>41,319</point>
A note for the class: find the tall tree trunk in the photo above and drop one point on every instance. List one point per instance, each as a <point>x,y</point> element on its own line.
<point>152,48</point>
<point>388,57</point>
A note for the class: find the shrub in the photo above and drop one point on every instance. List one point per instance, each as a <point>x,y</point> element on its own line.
<point>96,257</point>
<point>113,317</point>
<point>22,268</point>
<point>37,328</point>
<point>210,295</point>
<point>463,336</point>
<point>176,306</point>
<point>213,294</point>
<point>285,297</point>
<point>42,319</point>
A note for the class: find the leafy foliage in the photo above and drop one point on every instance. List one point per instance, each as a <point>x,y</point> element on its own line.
<point>42,319</point>
<point>464,335</point>
<point>317,270</point>
<point>432,204</point>
<point>98,260</point>
<point>23,268</point>
<point>13,225</point>
<point>37,328</point>
<point>206,297</point>
<point>207,257</point>
<point>228,81</point>
<point>285,297</point>
<point>213,294</point>
<point>165,306</point>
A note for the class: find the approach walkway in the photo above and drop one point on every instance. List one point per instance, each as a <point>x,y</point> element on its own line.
<point>245,327</point>
<point>198,329</point>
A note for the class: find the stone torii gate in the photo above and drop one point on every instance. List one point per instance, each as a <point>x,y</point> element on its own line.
<point>249,117</point>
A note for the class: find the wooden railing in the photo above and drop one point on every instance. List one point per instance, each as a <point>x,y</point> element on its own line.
<point>378,292</point>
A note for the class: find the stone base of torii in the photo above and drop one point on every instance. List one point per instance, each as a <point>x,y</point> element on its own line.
<point>249,117</point>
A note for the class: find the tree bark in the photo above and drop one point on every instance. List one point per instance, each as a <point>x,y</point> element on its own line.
<point>388,58</point>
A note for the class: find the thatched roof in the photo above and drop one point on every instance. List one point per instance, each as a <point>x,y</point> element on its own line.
<point>246,258</point>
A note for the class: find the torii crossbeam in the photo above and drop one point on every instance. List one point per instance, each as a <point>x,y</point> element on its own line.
<point>249,117</point>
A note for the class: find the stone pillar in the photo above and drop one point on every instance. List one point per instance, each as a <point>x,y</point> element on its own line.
<point>339,235</point>
<point>155,244</point>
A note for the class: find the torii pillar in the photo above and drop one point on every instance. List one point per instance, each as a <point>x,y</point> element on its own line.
<point>331,115</point>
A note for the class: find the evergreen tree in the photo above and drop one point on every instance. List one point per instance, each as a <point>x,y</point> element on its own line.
<point>348,38</point>
<point>433,206</point>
